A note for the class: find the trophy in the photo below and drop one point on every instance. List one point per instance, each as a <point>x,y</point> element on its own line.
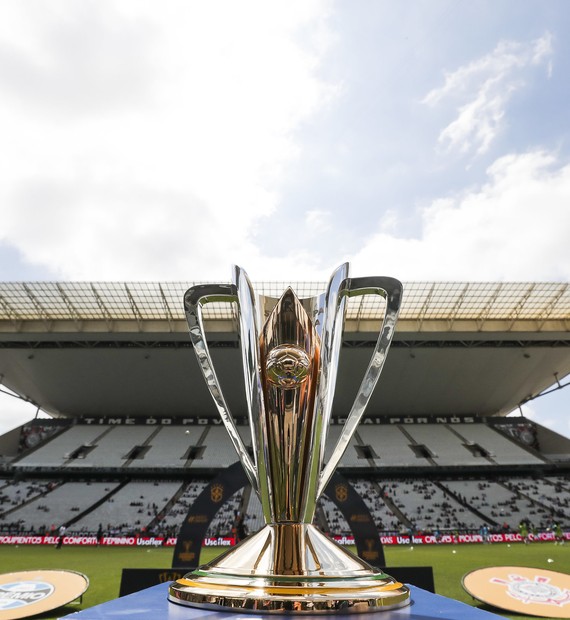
<point>290,369</point>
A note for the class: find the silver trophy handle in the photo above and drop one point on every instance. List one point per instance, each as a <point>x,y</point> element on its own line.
<point>249,335</point>
<point>391,289</point>
<point>328,314</point>
<point>194,299</point>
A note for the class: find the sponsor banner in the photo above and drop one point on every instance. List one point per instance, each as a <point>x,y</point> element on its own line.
<point>28,593</point>
<point>243,420</point>
<point>219,541</point>
<point>230,541</point>
<point>522,590</point>
<point>432,539</point>
<point>136,541</point>
<point>109,541</point>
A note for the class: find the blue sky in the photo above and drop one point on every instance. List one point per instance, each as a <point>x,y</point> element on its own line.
<point>427,140</point>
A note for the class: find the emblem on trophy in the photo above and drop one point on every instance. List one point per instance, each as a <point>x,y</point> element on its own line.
<point>290,365</point>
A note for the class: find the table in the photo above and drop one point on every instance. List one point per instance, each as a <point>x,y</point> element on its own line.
<point>152,604</point>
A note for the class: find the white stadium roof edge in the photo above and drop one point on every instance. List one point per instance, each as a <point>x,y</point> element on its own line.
<point>122,348</point>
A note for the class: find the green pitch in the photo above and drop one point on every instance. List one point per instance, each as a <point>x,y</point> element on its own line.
<point>103,565</point>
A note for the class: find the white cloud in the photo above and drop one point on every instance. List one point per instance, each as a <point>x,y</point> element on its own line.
<point>389,222</point>
<point>515,227</point>
<point>318,220</point>
<point>14,412</point>
<point>482,90</point>
<point>141,144</point>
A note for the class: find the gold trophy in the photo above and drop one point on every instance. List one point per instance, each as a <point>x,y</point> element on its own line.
<point>290,369</point>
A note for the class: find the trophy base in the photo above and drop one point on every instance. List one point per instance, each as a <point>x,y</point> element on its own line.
<point>289,568</point>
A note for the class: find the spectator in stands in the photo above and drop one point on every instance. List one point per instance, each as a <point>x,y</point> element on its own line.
<point>61,533</point>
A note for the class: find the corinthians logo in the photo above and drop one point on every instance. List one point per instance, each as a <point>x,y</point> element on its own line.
<point>521,589</point>
<point>538,590</point>
<point>21,593</point>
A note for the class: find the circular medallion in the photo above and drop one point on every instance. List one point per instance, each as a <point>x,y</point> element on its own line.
<point>27,593</point>
<point>287,366</point>
<point>529,591</point>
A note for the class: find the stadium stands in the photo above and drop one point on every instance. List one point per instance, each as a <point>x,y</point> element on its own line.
<point>373,496</point>
<point>335,521</point>
<point>218,450</point>
<point>504,506</point>
<point>461,496</point>
<point>501,449</point>
<point>91,447</point>
<point>170,519</point>
<point>203,447</point>
<point>59,450</point>
<point>391,447</point>
<point>16,493</point>
<point>223,523</point>
<point>59,505</point>
<point>132,509</point>
<point>549,497</point>
<point>253,514</point>
<point>170,447</point>
<point>428,507</point>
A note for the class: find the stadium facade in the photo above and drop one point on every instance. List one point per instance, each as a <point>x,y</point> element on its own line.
<point>113,364</point>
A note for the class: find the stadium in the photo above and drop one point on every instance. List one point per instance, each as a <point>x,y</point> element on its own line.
<point>135,439</point>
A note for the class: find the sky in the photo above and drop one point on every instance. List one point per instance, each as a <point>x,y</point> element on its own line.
<point>426,140</point>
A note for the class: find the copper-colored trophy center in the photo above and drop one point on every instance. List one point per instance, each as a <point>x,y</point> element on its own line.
<point>289,355</point>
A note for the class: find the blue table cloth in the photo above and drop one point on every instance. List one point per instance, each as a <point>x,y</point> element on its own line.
<point>152,604</point>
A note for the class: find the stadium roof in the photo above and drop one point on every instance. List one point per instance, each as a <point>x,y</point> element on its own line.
<point>141,301</point>
<point>112,348</point>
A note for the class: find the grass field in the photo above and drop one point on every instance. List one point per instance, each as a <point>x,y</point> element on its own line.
<point>103,565</point>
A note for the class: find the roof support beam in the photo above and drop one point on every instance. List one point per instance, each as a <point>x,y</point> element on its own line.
<point>134,307</point>
<point>70,306</point>
<point>520,305</point>
<point>552,304</point>
<point>425,306</point>
<point>457,305</point>
<point>12,315</point>
<point>487,310</point>
<point>41,310</point>
<point>166,308</point>
<point>103,308</point>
